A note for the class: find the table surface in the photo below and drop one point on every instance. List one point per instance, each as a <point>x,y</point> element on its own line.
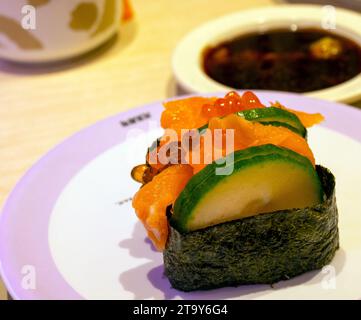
<point>40,107</point>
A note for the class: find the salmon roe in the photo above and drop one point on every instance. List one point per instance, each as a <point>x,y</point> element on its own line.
<point>231,103</point>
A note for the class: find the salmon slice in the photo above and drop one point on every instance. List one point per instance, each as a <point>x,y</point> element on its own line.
<point>151,201</point>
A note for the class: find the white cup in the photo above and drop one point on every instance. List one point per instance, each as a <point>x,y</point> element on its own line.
<point>49,30</point>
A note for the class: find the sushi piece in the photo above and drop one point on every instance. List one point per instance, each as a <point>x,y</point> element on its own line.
<point>260,249</point>
<point>271,217</point>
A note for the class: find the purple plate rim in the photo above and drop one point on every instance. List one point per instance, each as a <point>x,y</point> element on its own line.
<point>339,117</point>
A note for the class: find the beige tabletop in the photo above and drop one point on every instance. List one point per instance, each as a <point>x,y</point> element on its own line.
<point>40,107</point>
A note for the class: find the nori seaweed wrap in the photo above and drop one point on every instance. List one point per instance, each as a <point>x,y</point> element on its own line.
<point>261,249</point>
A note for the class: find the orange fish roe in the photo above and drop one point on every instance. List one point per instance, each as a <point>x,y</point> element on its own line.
<point>231,103</point>
<point>151,201</point>
<point>195,112</point>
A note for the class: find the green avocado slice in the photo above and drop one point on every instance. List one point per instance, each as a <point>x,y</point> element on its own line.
<point>272,116</point>
<point>275,116</point>
<point>265,248</point>
<point>265,179</point>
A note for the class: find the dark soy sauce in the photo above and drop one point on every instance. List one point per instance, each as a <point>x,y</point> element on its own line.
<point>299,61</point>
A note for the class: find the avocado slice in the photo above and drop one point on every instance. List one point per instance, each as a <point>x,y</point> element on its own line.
<point>265,248</point>
<point>271,116</point>
<point>265,178</point>
<point>276,117</point>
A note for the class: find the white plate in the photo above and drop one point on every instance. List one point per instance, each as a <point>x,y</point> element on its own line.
<point>68,230</point>
<point>187,58</point>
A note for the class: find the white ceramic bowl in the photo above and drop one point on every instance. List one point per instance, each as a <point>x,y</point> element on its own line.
<point>37,31</point>
<point>187,58</point>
